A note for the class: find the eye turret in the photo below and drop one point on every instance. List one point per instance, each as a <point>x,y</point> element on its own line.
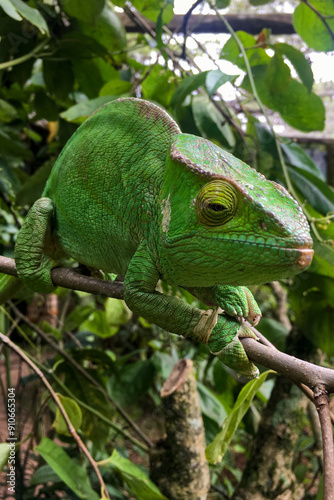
<point>216,203</point>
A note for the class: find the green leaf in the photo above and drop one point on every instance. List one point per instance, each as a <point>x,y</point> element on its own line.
<point>316,191</point>
<point>222,4</point>
<point>256,55</point>
<point>217,449</point>
<point>302,110</point>
<point>135,478</point>
<point>274,331</point>
<point>32,189</point>
<point>107,29</point>
<point>259,2</point>
<point>84,11</point>
<point>18,10</point>
<point>60,87</point>
<point>4,455</point>
<point>187,86</point>
<point>159,85</point>
<point>116,87</point>
<point>311,28</point>
<point>73,412</point>
<point>7,112</point>
<point>297,157</point>
<point>73,475</point>
<point>43,475</point>
<point>131,382</point>
<point>215,79</point>
<point>212,124</point>
<point>79,112</point>
<point>210,404</point>
<point>98,323</point>
<point>299,62</point>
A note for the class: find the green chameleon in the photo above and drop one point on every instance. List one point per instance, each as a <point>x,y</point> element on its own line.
<point>130,194</point>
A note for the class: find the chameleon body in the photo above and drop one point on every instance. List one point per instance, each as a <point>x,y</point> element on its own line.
<point>132,195</point>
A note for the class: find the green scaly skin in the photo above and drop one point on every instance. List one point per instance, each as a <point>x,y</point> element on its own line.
<point>130,194</point>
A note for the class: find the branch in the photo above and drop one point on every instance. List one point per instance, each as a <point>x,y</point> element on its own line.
<point>56,399</point>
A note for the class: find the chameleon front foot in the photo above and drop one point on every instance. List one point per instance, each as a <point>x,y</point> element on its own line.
<point>238,301</point>
<point>224,342</point>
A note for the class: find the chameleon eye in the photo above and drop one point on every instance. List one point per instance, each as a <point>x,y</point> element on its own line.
<point>216,203</point>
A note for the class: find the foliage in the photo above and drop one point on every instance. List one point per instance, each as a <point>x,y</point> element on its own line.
<point>62,61</point>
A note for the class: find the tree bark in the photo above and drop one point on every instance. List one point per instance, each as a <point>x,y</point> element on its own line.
<point>269,471</point>
<point>177,463</point>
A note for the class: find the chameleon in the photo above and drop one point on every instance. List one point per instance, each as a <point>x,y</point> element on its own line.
<point>131,194</point>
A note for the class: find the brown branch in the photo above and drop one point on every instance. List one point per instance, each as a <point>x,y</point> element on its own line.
<point>321,400</point>
<point>56,399</point>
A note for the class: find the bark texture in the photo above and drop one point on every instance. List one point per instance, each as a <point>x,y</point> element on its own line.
<point>177,464</point>
<point>269,474</point>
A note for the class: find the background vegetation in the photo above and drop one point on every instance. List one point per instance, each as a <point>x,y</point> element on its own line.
<point>61,61</point>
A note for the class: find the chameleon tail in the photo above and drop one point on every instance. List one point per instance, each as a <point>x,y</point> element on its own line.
<point>9,286</point>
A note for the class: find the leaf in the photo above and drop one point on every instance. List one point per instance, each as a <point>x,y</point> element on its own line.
<point>311,28</point>
<point>43,475</point>
<point>18,10</point>
<point>187,86</point>
<point>297,157</point>
<point>299,62</point>
<point>315,190</point>
<point>159,85</point>
<point>135,478</point>
<point>217,449</point>
<point>215,79</point>
<point>210,404</point>
<point>107,29</point>
<point>274,331</point>
<point>4,455</point>
<point>302,110</point>
<point>32,189</point>
<point>73,412</point>
<point>85,11</point>
<point>60,87</point>
<point>7,112</point>
<point>73,475</point>
<point>231,51</point>
<point>79,112</point>
<point>211,124</point>
<point>116,87</point>
<point>131,382</point>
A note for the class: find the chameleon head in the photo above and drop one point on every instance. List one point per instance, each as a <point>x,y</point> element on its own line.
<point>224,223</point>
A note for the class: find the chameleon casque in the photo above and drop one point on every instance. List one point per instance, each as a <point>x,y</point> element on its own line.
<point>132,195</point>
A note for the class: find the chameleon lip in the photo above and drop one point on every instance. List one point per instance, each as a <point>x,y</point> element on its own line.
<point>305,259</point>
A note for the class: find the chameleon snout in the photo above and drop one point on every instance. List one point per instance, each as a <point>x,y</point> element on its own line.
<point>305,258</point>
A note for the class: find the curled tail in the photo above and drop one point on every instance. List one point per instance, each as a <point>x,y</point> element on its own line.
<point>9,286</point>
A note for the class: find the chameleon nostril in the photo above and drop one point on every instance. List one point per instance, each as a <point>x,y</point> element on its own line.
<point>263,225</point>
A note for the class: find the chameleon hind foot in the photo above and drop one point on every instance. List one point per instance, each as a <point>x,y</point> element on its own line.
<point>33,266</point>
<point>224,342</point>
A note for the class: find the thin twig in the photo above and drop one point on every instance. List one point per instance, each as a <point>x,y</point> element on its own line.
<point>185,24</point>
<point>56,399</point>
<point>321,400</point>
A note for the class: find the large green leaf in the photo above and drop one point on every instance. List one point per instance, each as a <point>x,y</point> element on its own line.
<point>131,382</point>
<point>18,10</point>
<point>159,85</point>
<point>85,11</point>
<point>311,28</point>
<point>278,91</point>
<point>107,29</point>
<point>72,474</point>
<point>135,478</point>
<point>297,157</point>
<point>256,55</point>
<point>299,62</point>
<point>60,87</point>
<point>217,449</point>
